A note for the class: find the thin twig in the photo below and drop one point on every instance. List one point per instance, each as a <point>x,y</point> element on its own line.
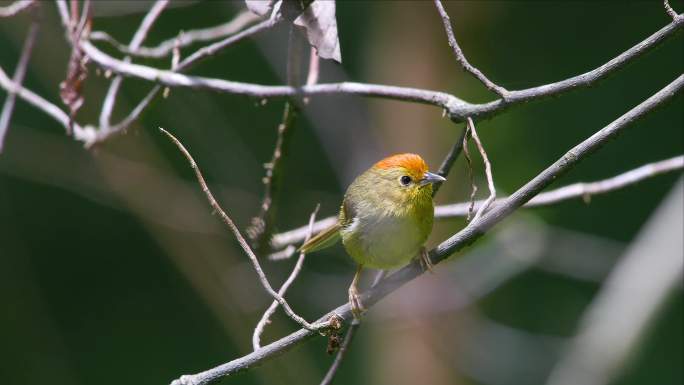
<point>669,10</point>
<point>460,56</point>
<point>261,226</point>
<point>469,166</point>
<point>459,240</point>
<point>266,318</point>
<point>583,190</point>
<point>241,240</point>
<point>188,38</point>
<point>351,332</point>
<point>488,172</point>
<point>458,109</point>
<point>18,77</point>
<point>16,7</point>
<point>449,161</point>
<point>186,64</point>
<point>137,40</point>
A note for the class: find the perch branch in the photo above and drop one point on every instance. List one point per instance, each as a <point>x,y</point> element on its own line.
<point>577,190</point>
<point>460,56</point>
<point>458,241</point>
<point>457,109</point>
<point>18,77</point>
<point>241,240</point>
<point>186,38</point>
<point>266,318</point>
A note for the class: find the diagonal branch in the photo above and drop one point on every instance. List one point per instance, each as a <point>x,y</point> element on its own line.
<point>458,241</point>
<point>460,56</point>
<point>241,240</point>
<point>584,190</point>
<point>18,78</point>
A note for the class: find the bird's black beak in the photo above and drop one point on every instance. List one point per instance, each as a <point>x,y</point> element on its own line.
<point>429,177</point>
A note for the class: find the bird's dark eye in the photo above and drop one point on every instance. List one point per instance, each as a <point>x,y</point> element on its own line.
<point>405,180</point>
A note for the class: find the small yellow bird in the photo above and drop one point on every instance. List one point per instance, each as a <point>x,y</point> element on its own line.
<point>385,218</point>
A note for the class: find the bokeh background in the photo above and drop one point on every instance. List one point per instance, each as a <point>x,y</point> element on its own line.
<point>113,270</point>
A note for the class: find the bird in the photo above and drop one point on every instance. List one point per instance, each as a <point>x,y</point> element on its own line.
<point>385,218</point>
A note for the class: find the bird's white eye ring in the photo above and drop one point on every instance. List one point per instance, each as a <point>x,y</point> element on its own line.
<point>405,180</point>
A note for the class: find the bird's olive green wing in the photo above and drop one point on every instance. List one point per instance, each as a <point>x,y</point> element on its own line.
<point>331,235</point>
<point>325,238</point>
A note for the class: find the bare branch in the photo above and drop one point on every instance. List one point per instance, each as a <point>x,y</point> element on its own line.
<point>351,332</point>
<point>582,190</point>
<point>457,109</point>
<point>261,227</point>
<point>214,48</point>
<point>449,161</point>
<point>85,134</point>
<point>187,38</point>
<point>106,133</point>
<point>469,164</point>
<point>460,57</point>
<point>669,10</point>
<point>459,240</point>
<point>266,318</point>
<point>136,42</point>
<point>488,172</point>
<point>16,7</point>
<point>18,77</point>
<point>241,240</point>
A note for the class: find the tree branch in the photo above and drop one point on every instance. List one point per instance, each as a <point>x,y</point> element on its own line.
<point>457,109</point>
<point>460,56</point>
<point>241,240</point>
<point>582,190</point>
<point>449,161</point>
<point>459,240</point>
<point>18,78</point>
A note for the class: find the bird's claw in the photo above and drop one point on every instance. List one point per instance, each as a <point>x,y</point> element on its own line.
<point>425,262</point>
<point>355,303</point>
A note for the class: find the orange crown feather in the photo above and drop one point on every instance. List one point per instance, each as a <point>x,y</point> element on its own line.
<point>413,163</point>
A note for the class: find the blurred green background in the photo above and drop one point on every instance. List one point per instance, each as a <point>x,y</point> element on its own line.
<point>113,270</point>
